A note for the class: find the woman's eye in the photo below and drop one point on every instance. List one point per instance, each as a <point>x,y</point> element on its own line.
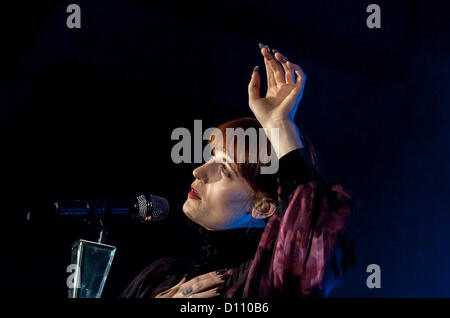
<point>225,170</point>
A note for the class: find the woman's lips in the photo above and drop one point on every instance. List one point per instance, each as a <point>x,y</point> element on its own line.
<point>193,195</point>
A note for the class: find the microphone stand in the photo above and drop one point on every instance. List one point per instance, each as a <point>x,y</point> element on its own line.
<point>101,227</point>
<point>92,260</point>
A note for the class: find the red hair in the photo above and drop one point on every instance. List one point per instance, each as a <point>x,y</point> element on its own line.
<point>263,185</point>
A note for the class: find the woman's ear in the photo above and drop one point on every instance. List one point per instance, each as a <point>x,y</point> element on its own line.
<point>263,209</point>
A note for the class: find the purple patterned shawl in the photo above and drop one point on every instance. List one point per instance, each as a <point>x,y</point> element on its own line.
<point>296,248</point>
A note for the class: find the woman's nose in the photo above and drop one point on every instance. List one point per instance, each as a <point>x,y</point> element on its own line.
<point>200,173</point>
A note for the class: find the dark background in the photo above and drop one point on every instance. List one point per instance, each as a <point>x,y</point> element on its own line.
<point>88,113</point>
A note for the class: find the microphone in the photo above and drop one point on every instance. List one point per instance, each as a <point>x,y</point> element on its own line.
<point>143,208</point>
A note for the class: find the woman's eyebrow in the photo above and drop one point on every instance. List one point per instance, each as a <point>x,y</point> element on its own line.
<point>230,165</point>
<point>231,168</point>
<point>227,164</point>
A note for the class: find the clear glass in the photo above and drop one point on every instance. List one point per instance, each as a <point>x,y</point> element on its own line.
<point>93,261</point>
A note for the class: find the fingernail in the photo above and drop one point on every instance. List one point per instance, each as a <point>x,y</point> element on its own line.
<point>221,271</point>
<point>281,55</point>
<point>267,47</point>
<point>256,68</point>
<point>261,45</point>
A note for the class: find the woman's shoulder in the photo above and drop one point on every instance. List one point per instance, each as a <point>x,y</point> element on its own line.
<point>333,192</point>
<point>321,206</point>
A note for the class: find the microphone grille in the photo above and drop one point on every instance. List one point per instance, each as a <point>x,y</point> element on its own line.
<point>152,207</point>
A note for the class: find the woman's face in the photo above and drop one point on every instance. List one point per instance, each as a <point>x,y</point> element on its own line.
<point>225,197</point>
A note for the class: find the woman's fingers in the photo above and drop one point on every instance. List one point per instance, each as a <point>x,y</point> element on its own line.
<point>200,284</point>
<point>296,70</point>
<point>297,92</point>
<point>254,85</point>
<point>289,73</point>
<point>274,66</point>
<point>207,294</point>
<point>300,80</point>
<point>206,284</point>
<point>269,71</point>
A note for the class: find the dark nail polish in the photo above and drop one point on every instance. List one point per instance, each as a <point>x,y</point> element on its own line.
<point>256,68</point>
<point>225,277</point>
<point>267,47</point>
<point>281,55</point>
<point>221,271</point>
<point>261,45</point>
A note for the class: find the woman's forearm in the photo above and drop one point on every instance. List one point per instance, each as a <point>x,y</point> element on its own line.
<point>287,139</point>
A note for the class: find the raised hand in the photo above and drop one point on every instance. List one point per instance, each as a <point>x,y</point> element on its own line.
<point>285,84</point>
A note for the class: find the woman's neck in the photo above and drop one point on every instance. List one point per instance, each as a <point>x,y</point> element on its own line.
<point>228,248</point>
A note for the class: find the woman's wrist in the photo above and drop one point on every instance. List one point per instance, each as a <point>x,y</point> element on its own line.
<point>284,136</point>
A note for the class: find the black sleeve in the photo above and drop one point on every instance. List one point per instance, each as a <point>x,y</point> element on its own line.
<point>295,168</point>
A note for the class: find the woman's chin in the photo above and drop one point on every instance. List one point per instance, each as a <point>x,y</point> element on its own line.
<point>189,216</point>
<point>186,210</point>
